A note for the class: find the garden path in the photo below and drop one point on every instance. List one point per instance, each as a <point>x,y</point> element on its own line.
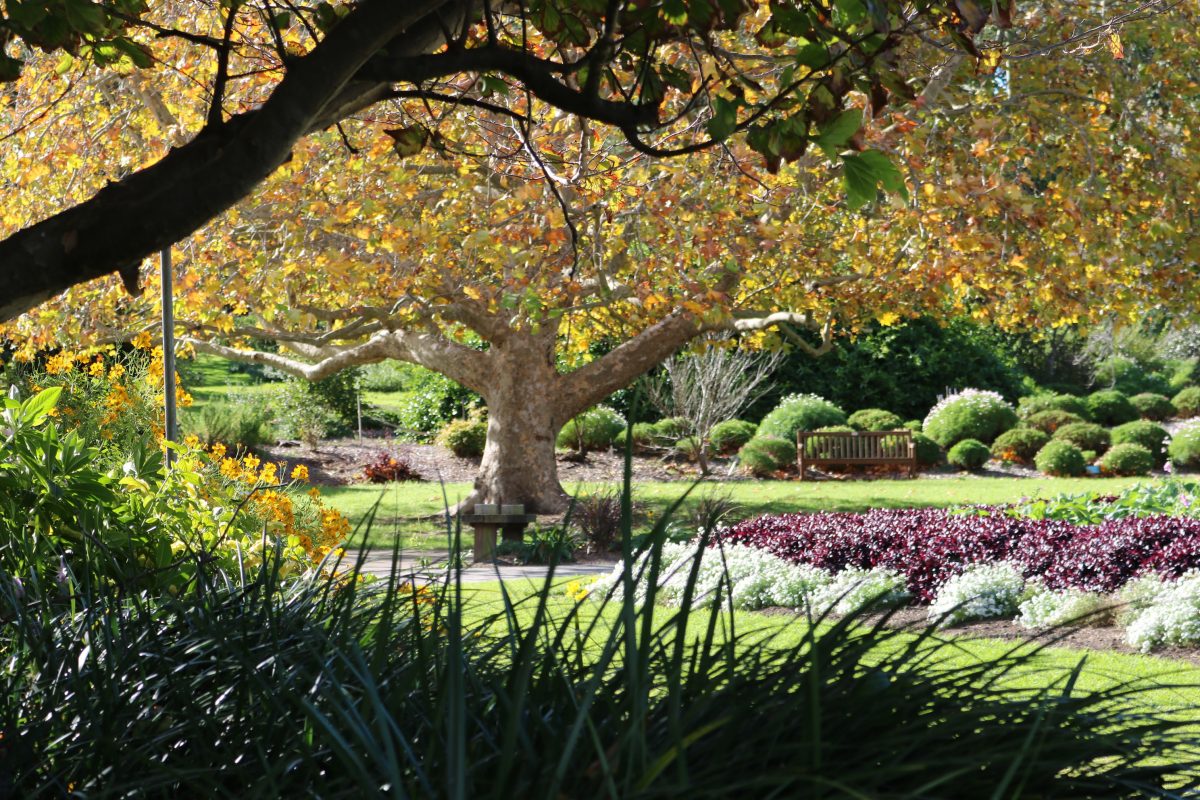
<point>430,566</point>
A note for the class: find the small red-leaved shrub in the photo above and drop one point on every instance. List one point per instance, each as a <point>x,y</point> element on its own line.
<point>387,468</point>
<point>929,546</point>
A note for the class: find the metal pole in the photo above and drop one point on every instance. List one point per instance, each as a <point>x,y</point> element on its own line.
<point>168,338</point>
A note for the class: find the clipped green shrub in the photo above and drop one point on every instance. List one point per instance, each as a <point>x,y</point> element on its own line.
<point>1051,420</point>
<point>689,448</point>
<point>915,426</point>
<point>969,454</point>
<point>1185,445</point>
<point>1127,459</point>
<point>800,412</point>
<point>1085,436</point>
<point>1019,445</point>
<point>929,452</point>
<point>464,437</point>
<point>728,436</point>
<point>671,429</point>
<point>1126,375</point>
<point>969,414</point>
<point>1187,402</point>
<point>1145,433</point>
<point>875,419</point>
<point>1060,457</point>
<point>1184,372</point>
<point>1053,401</point>
<point>1152,406</point>
<point>1110,407</point>
<point>763,456</point>
<point>594,429</point>
<point>643,437</point>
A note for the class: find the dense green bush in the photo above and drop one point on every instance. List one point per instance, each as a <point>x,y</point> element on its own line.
<point>1034,404</point>
<point>1085,436</point>
<point>689,448</point>
<point>297,413</point>
<point>1110,407</point>
<point>902,367</point>
<point>763,456</point>
<point>466,438</point>
<point>727,437</point>
<point>928,452</point>
<point>1187,402</point>
<point>387,376</point>
<point>1128,376</point>
<point>875,419</point>
<point>915,425</point>
<point>669,430</point>
<point>1127,459</point>
<point>340,394</point>
<point>1152,406</point>
<point>1145,433</point>
<point>1051,420</point>
<point>800,412</point>
<point>969,454</point>
<point>1019,445</point>
<point>432,400</point>
<point>1060,457</point>
<point>1184,372</point>
<point>969,414</point>
<point>643,434</point>
<point>594,429</point>
<point>1184,449</point>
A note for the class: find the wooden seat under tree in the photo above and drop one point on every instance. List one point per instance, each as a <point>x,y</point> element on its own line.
<point>856,448</point>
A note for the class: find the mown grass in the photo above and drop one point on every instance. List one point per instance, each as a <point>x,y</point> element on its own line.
<point>1176,683</point>
<point>410,509</point>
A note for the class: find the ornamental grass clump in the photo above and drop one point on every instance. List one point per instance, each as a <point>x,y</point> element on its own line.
<point>969,414</point>
<point>982,591</point>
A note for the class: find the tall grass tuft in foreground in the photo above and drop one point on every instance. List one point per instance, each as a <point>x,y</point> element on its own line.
<point>251,686</point>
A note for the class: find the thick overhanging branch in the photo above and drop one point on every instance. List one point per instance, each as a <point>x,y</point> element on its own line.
<point>369,352</point>
<point>787,321</point>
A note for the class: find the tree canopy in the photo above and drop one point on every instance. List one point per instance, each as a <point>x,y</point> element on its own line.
<point>234,86</point>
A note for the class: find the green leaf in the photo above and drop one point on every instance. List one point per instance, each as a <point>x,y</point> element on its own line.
<point>860,181</point>
<point>408,141</point>
<point>37,407</point>
<point>837,131</point>
<point>886,172</point>
<point>724,118</point>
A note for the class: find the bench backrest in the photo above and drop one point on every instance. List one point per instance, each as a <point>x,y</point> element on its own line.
<point>845,447</point>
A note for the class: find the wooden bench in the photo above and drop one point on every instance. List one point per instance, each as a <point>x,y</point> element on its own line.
<point>822,448</point>
<point>486,525</point>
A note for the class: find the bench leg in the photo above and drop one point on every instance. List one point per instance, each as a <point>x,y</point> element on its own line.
<point>513,533</point>
<point>485,543</point>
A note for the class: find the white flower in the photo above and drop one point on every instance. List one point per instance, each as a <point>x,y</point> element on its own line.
<point>1168,614</point>
<point>1046,608</point>
<point>982,591</point>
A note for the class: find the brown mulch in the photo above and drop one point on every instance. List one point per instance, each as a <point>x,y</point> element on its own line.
<point>1107,638</point>
<point>337,462</point>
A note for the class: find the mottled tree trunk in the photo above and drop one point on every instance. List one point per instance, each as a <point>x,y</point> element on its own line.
<point>518,464</point>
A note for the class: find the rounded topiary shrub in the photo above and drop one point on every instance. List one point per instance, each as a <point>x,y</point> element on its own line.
<point>800,412</point>
<point>1145,433</point>
<point>1035,404</point>
<point>969,454</point>
<point>914,425</point>
<point>969,414</point>
<point>728,436</point>
<point>1187,402</point>
<point>1110,407</point>
<point>1051,420</point>
<point>875,419</point>
<point>1085,436</point>
<point>929,452</point>
<point>1019,445</point>
<point>763,456</point>
<point>1185,445</point>
<point>669,430</point>
<point>464,437</point>
<point>594,429</point>
<point>643,437</point>
<point>1152,406</point>
<point>1060,457</point>
<point>1127,459</point>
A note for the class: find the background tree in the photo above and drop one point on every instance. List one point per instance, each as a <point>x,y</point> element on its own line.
<point>711,386</point>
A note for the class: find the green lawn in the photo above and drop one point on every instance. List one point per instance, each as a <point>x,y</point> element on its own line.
<point>1178,682</point>
<point>401,506</point>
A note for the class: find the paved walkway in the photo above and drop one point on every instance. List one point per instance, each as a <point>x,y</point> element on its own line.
<point>431,565</point>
